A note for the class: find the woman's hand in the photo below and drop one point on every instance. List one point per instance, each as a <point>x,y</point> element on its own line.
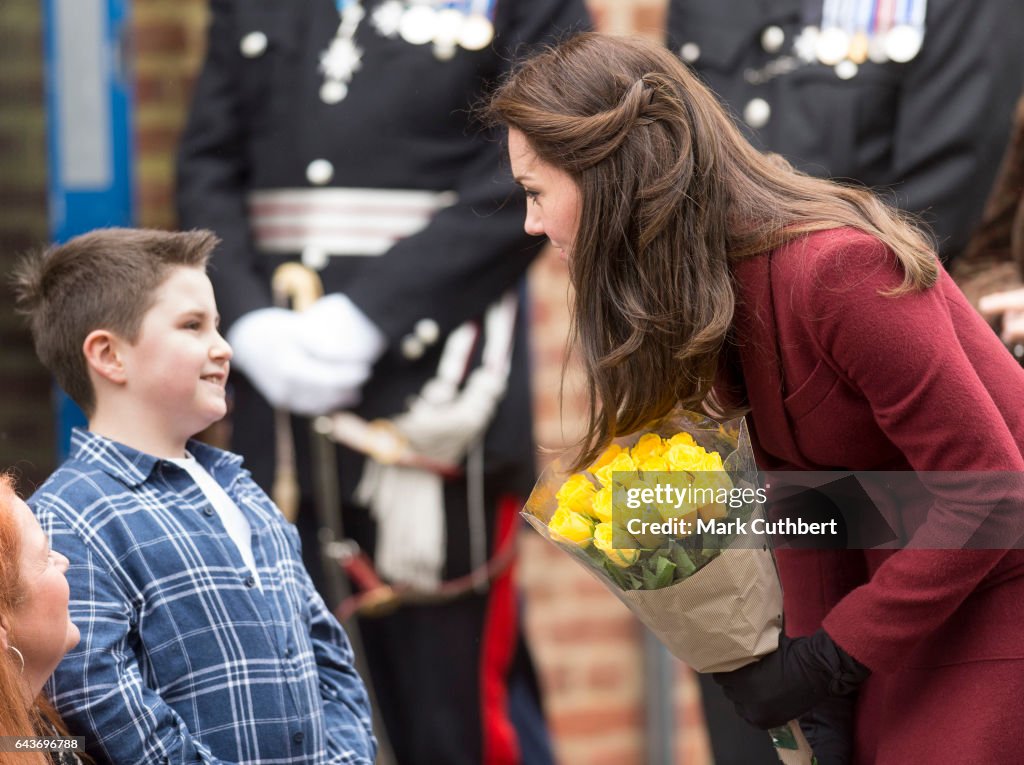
<point>798,675</point>
<point>829,729</point>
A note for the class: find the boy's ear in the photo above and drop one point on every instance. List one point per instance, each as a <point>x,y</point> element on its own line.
<point>101,349</point>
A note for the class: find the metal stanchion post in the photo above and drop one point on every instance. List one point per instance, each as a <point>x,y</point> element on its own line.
<point>659,677</point>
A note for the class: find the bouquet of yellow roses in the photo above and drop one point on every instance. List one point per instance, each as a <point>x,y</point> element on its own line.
<point>664,519</point>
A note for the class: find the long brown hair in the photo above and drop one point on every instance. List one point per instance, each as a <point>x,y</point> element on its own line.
<point>16,717</point>
<point>671,193</point>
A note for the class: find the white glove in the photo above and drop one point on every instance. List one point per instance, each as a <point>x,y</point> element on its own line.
<point>266,349</point>
<point>334,329</point>
<point>408,505</point>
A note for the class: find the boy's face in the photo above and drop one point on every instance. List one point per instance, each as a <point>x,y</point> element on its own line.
<point>178,365</point>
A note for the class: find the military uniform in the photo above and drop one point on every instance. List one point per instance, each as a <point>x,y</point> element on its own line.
<point>930,126</point>
<point>339,135</point>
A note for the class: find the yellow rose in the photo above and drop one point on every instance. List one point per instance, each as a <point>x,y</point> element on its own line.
<point>684,439</point>
<point>688,457</point>
<point>577,493</point>
<point>606,456</point>
<point>711,477</point>
<point>601,507</point>
<point>656,464</point>
<point>713,461</point>
<point>649,445</point>
<point>568,526</point>
<point>603,542</point>
<point>622,463</point>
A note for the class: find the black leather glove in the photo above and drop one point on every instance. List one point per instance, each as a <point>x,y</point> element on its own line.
<point>829,730</point>
<point>791,680</point>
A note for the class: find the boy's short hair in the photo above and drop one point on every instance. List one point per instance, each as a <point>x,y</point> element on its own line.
<point>104,279</point>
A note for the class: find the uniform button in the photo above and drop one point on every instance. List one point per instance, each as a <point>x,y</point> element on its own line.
<point>208,511</point>
<point>846,69</point>
<point>772,39</point>
<point>314,257</point>
<point>250,582</point>
<point>299,737</point>
<point>427,331</point>
<point>690,52</point>
<point>319,172</point>
<point>412,347</point>
<point>253,44</point>
<point>757,112</point>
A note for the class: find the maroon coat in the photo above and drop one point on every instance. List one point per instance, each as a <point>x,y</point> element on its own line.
<point>916,382</point>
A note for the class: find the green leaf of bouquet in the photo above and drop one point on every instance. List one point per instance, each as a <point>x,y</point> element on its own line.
<point>659,573</point>
<point>619,576</point>
<point>684,564</point>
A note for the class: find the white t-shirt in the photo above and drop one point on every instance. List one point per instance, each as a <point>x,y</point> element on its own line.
<point>235,522</point>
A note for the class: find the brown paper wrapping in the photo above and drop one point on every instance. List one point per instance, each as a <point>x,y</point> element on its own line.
<point>720,618</point>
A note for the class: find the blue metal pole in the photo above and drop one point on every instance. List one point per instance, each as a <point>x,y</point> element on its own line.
<point>89,135</point>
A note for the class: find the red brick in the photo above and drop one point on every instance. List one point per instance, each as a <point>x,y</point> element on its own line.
<point>593,629</point>
<point>154,38</point>
<point>588,722</point>
<point>608,676</point>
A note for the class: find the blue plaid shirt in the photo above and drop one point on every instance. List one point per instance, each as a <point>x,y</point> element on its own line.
<point>183,658</point>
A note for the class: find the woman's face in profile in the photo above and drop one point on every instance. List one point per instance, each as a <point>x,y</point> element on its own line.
<point>42,627</point>
<point>552,197</point>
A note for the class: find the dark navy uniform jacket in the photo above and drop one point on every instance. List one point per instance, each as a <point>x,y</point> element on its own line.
<point>258,124</point>
<point>932,129</point>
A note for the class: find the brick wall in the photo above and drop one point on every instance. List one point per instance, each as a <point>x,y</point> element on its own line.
<point>587,644</point>
<point>26,424</point>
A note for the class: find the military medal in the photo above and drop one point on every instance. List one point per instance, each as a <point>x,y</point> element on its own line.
<point>343,57</point>
<point>806,44</point>
<point>447,24</point>
<point>864,12</point>
<point>833,41</point>
<point>904,42</point>
<point>418,24</point>
<point>387,18</point>
<point>832,45</point>
<point>446,33</point>
<point>478,29</point>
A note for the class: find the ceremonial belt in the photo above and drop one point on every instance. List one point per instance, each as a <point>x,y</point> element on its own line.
<point>325,222</point>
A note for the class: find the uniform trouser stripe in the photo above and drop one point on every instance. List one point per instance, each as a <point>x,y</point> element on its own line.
<point>500,744</point>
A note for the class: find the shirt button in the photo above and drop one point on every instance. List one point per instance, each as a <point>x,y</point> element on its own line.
<point>757,112</point>
<point>319,172</point>
<point>314,257</point>
<point>299,737</point>
<point>253,44</point>
<point>289,652</point>
<point>208,511</point>
<point>772,39</point>
<point>690,52</point>
<point>250,582</point>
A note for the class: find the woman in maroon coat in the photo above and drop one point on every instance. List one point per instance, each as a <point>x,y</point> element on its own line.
<point>710,275</point>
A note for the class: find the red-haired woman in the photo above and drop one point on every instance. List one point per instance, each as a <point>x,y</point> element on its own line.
<point>35,628</point>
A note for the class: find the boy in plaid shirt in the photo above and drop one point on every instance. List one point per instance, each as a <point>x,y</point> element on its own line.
<point>203,638</point>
